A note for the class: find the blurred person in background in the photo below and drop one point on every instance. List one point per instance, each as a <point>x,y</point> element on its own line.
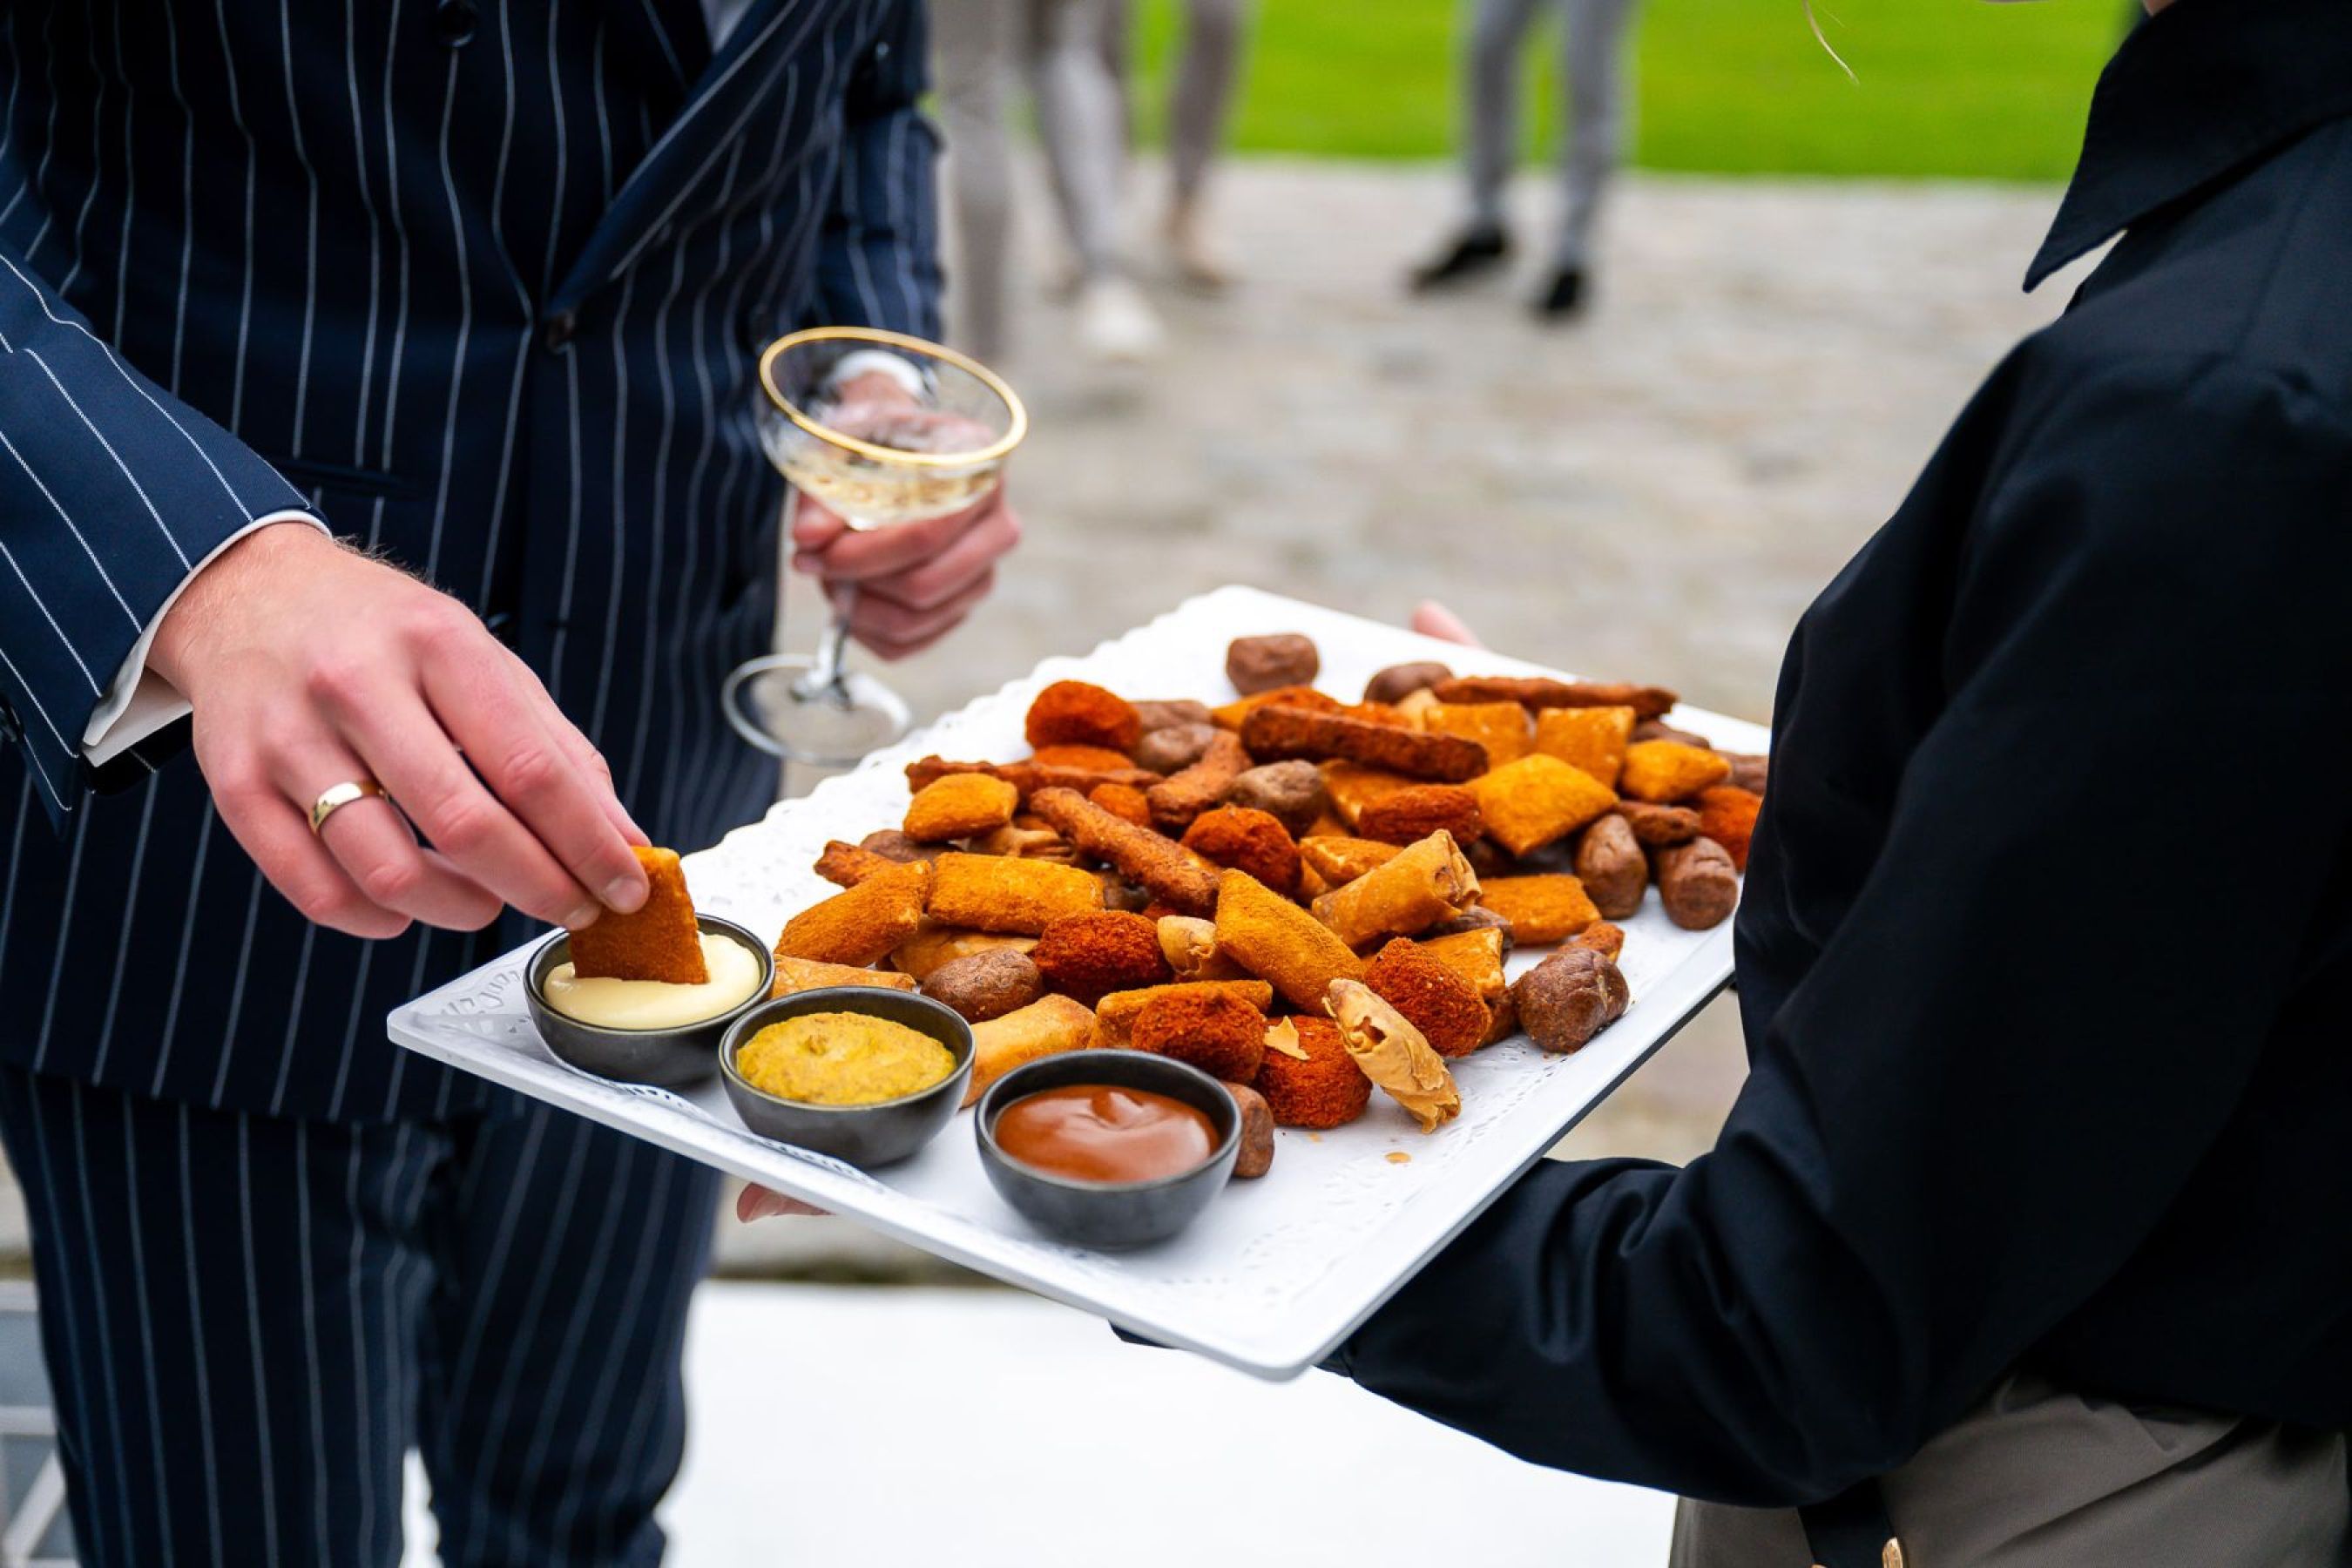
<point>1200,108</point>
<point>1592,138</point>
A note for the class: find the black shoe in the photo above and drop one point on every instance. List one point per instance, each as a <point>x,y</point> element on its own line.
<point>1474,251</point>
<point>1565,298</point>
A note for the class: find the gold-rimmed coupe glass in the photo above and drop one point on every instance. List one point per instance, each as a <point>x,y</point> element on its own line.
<point>878,455</point>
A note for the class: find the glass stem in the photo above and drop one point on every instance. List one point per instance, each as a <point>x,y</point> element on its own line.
<point>824,676</point>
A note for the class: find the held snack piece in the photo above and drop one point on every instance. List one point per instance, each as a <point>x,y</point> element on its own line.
<point>846,865</point>
<point>1174,748</point>
<point>1047,1027</point>
<point>1432,997</point>
<point>1727,814</point>
<point>1190,945</point>
<point>1232,715</point>
<point>1177,800</point>
<point>1122,802</point>
<point>1657,826</point>
<point>1164,714</point>
<point>1594,739</point>
<point>798,974</point>
<point>1290,793</point>
<point>1542,909</point>
<point>1321,1088</point>
<point>1500,727</point>
<point>1697,883</point>
<point>1239,838</point>
<point>1398,681</point>
<point>1539,691</point>
<point>1570,997</point>
<point>983,985</point>
<point>931,944</point>
<point>1663,772</point>
<point>1256,1156</point>
<point>1219,1033</point>
<point>1074,714</point>
<point>1171,873</point>
<point>1610,862</point>
<point>1530,802</point>
<point>1342,861</point>
<point>1090,955</point>
<point>1276,941</point>
<point>1279,658</point>
<point>1410,815</point>
<point>1393,1054</point>
<point>1029,777</point>
<point>1423,884</point>
<point>863,925</point>
<point>1603,938</point>
<point>961,805</point>
<point>1115,1018</point>
<point>994,893</point>
<point>659,941</point>
<point>1279,734</point>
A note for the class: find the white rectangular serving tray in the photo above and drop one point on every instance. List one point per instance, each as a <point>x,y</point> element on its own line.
<point>1278,1270</point>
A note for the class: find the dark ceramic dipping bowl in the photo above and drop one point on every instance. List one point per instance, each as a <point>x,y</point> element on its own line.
<point>668,1057</point>
<point>865,1135</point>
<point>1110,1216</point>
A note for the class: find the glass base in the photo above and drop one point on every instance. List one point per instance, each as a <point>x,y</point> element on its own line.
<point>773,703</point>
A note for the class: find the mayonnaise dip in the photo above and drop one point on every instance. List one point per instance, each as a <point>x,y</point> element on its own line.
<point>652,1004</point>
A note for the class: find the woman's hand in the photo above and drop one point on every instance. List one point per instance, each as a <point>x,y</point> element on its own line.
<point>1434,620</point>
<point>758,1203</point>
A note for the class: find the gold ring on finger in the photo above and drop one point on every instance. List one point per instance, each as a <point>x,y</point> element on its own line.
<point>341,795</point>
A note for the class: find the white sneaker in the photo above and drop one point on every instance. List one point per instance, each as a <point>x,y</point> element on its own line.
<point>1116,324</point>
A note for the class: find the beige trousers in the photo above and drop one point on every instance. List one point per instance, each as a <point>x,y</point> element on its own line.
<point>2038,1477</point>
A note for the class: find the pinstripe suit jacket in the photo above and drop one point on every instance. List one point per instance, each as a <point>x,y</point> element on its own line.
<point>480,284</point>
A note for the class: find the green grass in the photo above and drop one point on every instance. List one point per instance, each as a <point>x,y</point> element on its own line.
<point>1952,88</point>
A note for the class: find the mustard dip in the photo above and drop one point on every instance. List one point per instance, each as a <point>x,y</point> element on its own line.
<point>842,1059</point>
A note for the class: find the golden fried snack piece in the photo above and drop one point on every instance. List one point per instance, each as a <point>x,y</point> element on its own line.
<point>1476,957</point>
<point>1047,1027</point>
<point>862,926</point>
<point>1530,802</point>
<point>1542,909</point>
<point>1074,714</point>
<point>996,892</point>
<point>1388,713</point>
<point>657,941</point>
<point>1219,1033</point>
<point>1176,800</point>
<point>1659,827</point>
<point>1320,1086</point>
<point>1238,838</point>
<point>1339,860</point>
<point>1436,1000</point>
<point>1115,1016</point>
<point>1410,815</point>
<point>1415,707</point>
<point>1663,772</point>
<point>1594,739</point>
<point>1537,691</point>
<point>1276,941</point>
<point>797,974</point>
<point>1279,734</point>
<point>1697,883</point>
<point>1393,1054</point>
<point>846,865</point>
<point>1091,955</point>
<point>961,805</point>
<point>1603,938</point>
<point>1350,787</point>
<point>1232,715</point>
<point>1424,884</point>
<point>1398,681</point>
<point>1190,945</point>
<point>933,945</point>
<point>1610,863</point>
<point>1278,659</point>
<point>1020,843</point>
<point>1256,1155</point>
<point>1570,997</point>
<point>1165,868</point>
<point>1727,814</point>
<point>1500,727</point>
<point>1122,801</point>
<point>1029,777</point>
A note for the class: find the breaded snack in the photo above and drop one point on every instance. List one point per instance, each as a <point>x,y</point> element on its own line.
<point>794,975</point>
<point>1697,883</point>
<point>1255,1156</point>
<point>657,941</point>
<point>931,945</point>
<point>1610,863</point>
<point>1322,1090</point>
<point>1290,793</point>
<point>1093,759</point>
<point>1029,777</point>
<point>1749,770</point>
<point>1594,739</point>
<point>1279,734</point>
<point>1436,1000</point>
<point>1541,909</point>
<point>1172,873</point>
<point>1659,827</point>
<point>1177,800</point>
<point>1340,860</point>
<point>1427,882</point>
<point>1727,814</point>
<point>983,985</point>
<point>1232,715</point>
<point>1047,1026</point>
<point>1603,938</point>
<point>1398,681</point>
<point>1570,997</point>
<point>1276,941</point>
<point>1476,957</point>
<point>1222,1035</point>
<point>1074,713</point>
<point>846,865</point>
<point>1536,691</point>
<point>1500,727</point>
<point>996,892</point>
<point>1172,748</point>
<point>893,844</point>
<point>1530,802</point>
<point>961,805</point>
<point>1476,918</point>
<point>1311,884</point>
<point>1016,842</point>
<point>1190,945</point>
<point>1410,815</point>
<point>1122,802</point>
<point>1239,838</point>
<point>1393,1054</point>
<point>1415,706</point>
<point>1667,770</point>
<point>1115,1017</point>
<point>1351,787</point>
<point>1278,659</point>
<point>1090,955</point>
<point>1161,715</point>
<point>1659,730</point>
<point>1387,713</point>
<point>862,926</point>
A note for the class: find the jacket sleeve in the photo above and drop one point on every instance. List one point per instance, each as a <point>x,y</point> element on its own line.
<point>2011,1052</point>
<point>879,260</point>
<point>112,493</point>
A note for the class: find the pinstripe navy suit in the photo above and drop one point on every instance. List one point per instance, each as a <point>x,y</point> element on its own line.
<point>477,283</point>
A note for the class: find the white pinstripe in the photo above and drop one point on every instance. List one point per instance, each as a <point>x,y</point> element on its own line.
<point>122,943</point>
<point>72,651</point>
<point>16,848</point>
<point>129,182</point>
<point>316,1381</point>
<point>66,518</point>
<point>563,160</point>
<point>465,326</point>
<point>144,499</point>
<point>40,172</point>
<point>98,1298</point>
<point>253,1336</point>
<point>187,940</point>
<point>245,307</point>
<point>146,1333</point>
<point>196,1337</point>
<point>351,1033</point>
<point>65,1327</point>
<point>293,1014</point>
<point>188,192</point>
<point>486,1288</point>
<point>310,174</point>
<point>65,924</point>
<point>236,992</point>
<point>375,232</point>
<point>400,241</point>
<point>360,1382</point>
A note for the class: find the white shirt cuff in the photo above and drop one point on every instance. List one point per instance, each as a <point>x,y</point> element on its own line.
<point>864,361</point>
<point>138,702</point>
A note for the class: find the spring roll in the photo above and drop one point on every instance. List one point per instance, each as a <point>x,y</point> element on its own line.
<point>1279,943</point>
<point>996,892</point>
<point>1393,1054</point>
<point>1047,1027</point>
<point>1425,884</point>
<point>797,974</point>
<point>1190,945</point>
<point>1340,860</point>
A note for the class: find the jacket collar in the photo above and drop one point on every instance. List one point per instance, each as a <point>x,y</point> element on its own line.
<point>2199,90</point>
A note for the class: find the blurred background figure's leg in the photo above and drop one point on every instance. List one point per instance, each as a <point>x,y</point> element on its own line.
<point>972,45</point>
<point>1080,119</point>
<point>1198,109</point>
<point>1592,67</point>
<point>1490,123</point>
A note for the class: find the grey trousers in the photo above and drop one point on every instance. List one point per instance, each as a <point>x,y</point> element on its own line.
<point>2035,1476</point>
<point>1202,97</point>
<point>1592,71</point>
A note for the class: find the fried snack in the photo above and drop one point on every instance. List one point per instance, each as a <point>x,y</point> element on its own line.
<point>1658,827</point>
<point>1505,1016</point>
<point>1500,727</point>
<point>1222,1035</point>
<point>998,893</point>
<point>1094,759</point>
<point>1115,1018</point>
<point>1665,771</point>
<point>1476,918</point>
<point>1410,815</point>
<point>1727,814</point>
<point>931,945</point>
<point>1279,734</point>
<point>1432,997</point>
<point>1415,706</point>
<point>1603,938</point>
<point>1174,747</point>
<point>1121,801</point>
<point>961,805</point>
<point>794,975</point>
<point>1659,730</point>
<point>1290,793</point>
<point>1276,941</point>
<point>1570,997</point>
<point>1171,873</point>
<point>1090,955</point>
<point>1351,787</point>
<point>1393,1054</point>
<point>1340,860</point>
<point>846,865</point>
<point>1697,883</point>
<point>657,941</point>
<point>1232,715</point>
<point>1311,884</point>
<point>1610,862</point>
<point>1594,739</point>
<point>1018,843</point>
<point>1164,714</point>
<point>1424,884</point>
<point>1074,713</point>
<point>1179,798</point>
<point>862,926</point>
<point>1536,691</point>
<point>983,985</point>
<point>1239,838</point>
<point>1279,658</point>
<point>1190,945</point>
<point>1541,909</point>
<point>1047,1027</point>
<point>1256,1155</point>
<point>893,844</point>
<point>1748,770</point>
<point>1387,713</point>
<point>1477,957</point>
<point>1320,1089</point>
<point>1530,802</point>
<point>1398,681</point>
<point>1029,777</point>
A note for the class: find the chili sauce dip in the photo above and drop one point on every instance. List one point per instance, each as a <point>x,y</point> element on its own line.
<point>1098,1132</point>
<point>842,1059</point>
<point>610,1003</point>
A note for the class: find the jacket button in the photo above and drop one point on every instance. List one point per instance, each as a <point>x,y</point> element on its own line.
<point>455,21</point>
<point>561,327</point>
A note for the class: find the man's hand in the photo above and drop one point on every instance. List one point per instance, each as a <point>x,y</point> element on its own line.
<point>309,665</point>
<point>1431,619</point>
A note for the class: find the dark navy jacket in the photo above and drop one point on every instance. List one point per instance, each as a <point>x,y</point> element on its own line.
<point>2047,936</point>
<point>480,284</point>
